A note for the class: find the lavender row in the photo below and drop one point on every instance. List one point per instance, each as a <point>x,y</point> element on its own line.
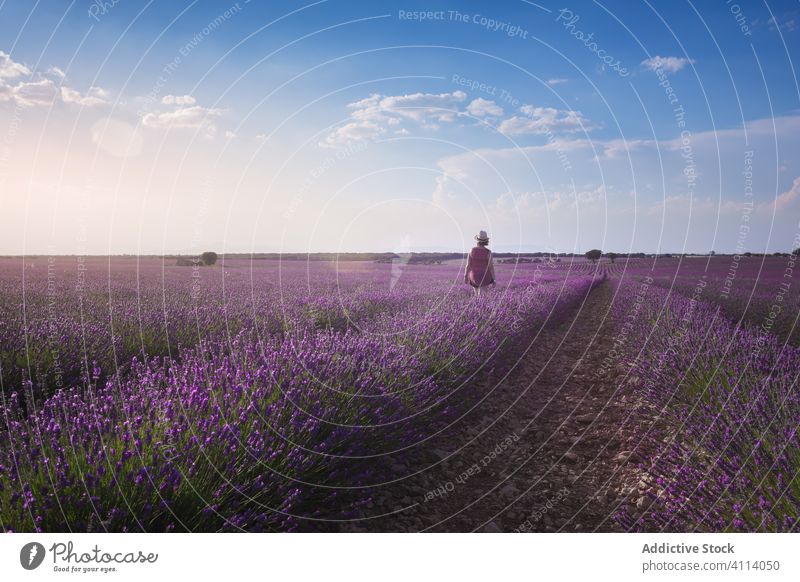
<point>727,457</point>
<point>61,322</point>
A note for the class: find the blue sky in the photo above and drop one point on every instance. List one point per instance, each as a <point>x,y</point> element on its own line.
<point>176,126</point>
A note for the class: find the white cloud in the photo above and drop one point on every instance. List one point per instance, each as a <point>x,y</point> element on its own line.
<point>786,199</point>
<point>668,64</point>
<point>483,107</point>
<point>178,100</point>
<point>71,96</point>
<point>552,82</point>
<point>787,23</point>
<point>99,92</point>
<point>30,94</point>
<point>422,107</point>
<point>56,73</point>
<point>94,98</point>
<point>41,91</point>
<point>193,117</point>
<point>615,147</point>
<point>650,186</point>
<point>24,93</point>
<point>353,132</point>
<point>372,115</point>
<point>538,120</point>
<point>10,69</point>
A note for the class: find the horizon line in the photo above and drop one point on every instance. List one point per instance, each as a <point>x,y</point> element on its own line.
<point>439,252</point>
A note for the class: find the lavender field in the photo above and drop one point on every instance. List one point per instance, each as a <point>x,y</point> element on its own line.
<point>311,396</point>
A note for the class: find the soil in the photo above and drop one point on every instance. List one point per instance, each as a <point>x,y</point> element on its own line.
<point>555,447</point>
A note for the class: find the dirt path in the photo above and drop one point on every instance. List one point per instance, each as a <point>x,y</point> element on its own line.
<point>550,450</point>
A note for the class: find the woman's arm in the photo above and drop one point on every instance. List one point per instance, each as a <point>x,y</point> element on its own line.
<point>491,267</point>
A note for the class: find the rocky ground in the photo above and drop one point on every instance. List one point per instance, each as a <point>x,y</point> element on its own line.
<point>555,446</point>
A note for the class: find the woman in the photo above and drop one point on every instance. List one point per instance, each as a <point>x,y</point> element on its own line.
<point>480,267</point>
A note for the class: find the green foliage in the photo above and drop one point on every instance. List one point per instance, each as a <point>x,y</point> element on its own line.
<point>209,257</point>
<point>594,254</point>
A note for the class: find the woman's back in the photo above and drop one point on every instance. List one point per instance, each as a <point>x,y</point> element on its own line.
<point>478,267</point>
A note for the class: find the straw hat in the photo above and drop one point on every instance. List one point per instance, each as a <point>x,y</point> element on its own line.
<point>482,236</point>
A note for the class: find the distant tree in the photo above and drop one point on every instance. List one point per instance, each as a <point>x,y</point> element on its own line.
<point>611,256</point>
<point>594,254</point>
<point>796,252</point>
<point>209,257</point>
<point>712,253</point>
<point>748,254</point>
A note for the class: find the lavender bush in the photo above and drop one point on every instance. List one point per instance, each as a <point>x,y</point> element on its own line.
<point>270,406</point>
